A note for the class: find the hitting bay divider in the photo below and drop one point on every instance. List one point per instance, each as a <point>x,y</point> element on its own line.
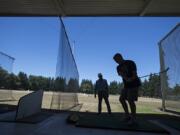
<point>28,110</point>
<point>29,105</point>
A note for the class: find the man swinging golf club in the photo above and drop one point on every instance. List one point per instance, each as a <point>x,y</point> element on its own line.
<point>128,71</point>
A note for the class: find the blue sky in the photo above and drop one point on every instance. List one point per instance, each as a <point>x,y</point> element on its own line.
<point>34,43</point>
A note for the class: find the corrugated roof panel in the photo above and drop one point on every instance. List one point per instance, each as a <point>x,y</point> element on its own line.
<point>100,7</point>
<point>46,7</point>
<point>89,7</point>
<point>165,7</point>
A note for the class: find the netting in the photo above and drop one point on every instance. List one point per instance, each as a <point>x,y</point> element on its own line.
<point>170,58</point>
<point>6,62</point>
<point>6,65</point>
<point>67,76</point>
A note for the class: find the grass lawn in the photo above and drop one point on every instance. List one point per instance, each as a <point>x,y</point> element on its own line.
<point>144,105</point>
<point>90,104</point>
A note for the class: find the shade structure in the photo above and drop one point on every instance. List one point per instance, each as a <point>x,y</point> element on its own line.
<point>89,8</point>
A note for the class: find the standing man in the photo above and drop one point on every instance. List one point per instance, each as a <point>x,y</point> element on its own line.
<point>101,87</point>
<point>128,71</point>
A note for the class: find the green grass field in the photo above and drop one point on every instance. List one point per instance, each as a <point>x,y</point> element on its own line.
<point>144,105</point>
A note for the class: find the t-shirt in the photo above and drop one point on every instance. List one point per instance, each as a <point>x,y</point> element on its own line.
<point>127,68</point>
<point>101,85</point>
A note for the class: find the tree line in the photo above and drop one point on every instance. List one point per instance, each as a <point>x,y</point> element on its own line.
<point>150,86</point>
<point>24,82</point>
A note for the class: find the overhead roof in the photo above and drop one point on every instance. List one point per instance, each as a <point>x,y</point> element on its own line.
<point>89,7</point>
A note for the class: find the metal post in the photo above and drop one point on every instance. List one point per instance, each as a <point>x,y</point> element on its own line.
<point>162,76</point>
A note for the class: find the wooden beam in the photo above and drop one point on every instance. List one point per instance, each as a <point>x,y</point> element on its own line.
<point>146,7</point>
<point>59,5</point>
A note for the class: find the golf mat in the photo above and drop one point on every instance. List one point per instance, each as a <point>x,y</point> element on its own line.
<point>106,121</point>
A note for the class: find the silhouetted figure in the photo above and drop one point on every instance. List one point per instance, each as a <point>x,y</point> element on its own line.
<point>128,71</point>
<point>101,87</point>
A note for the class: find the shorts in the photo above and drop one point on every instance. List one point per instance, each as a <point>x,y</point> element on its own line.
<point>130,94</point>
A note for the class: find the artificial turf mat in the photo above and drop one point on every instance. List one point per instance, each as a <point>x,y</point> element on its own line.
<point>106,121</point>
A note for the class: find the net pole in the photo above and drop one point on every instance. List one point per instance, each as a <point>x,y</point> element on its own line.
<point>162,76</point>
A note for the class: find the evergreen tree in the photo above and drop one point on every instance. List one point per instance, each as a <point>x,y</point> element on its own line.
<point>87,86</point>
<point>24,82</point>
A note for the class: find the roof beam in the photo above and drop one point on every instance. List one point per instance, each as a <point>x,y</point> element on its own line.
<point>59,5</point>
<point>146,7</point>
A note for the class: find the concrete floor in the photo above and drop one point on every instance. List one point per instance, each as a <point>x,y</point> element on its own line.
<point>56,125</point>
